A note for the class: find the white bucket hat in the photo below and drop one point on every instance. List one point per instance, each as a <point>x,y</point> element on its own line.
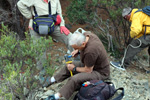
<point>126,11</point>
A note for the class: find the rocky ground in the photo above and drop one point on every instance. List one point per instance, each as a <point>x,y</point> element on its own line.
<point>135,81</point>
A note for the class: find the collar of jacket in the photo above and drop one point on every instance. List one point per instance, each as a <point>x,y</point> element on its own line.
<point>132,13</point>
<point>45,1</point>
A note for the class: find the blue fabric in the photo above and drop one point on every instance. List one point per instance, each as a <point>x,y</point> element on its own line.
<point>145,10</point>
<point>44,21</point>
<point>52,97</point>
<point>48,21</point>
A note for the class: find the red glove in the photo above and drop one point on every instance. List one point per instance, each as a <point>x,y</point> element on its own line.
<point>58,20</point>
<point>64,30</point>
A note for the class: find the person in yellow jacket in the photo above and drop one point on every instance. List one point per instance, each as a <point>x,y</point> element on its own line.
<point>140,31</point>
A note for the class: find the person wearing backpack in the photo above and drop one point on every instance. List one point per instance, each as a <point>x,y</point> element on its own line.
<point>140,32</point>
<point>94,65</point>
<point>33,9</point>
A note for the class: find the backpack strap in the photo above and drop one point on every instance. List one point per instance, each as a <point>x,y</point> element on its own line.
<point>110,83</point>
<point>120,96</point>
<point>36,15</point>
<point>145,30</point>
<point>145,10</point>
<point>138,10</point>
<point>49,9</point>
<point>49,6</point>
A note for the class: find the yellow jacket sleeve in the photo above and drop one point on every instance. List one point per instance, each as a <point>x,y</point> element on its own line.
<point>138,20</point>
<point>136,25</point>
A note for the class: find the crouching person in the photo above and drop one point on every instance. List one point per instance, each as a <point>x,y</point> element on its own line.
<point>94,65</point>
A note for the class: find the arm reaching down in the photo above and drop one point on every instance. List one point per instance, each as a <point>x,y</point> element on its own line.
<point>80,69</point>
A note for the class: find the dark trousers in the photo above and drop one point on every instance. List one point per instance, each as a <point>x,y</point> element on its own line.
<point>135,47</point>
<point>75,82</point>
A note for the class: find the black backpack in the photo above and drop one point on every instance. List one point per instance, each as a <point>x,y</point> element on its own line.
<point>98,90</point>
<point>45,24</point>
<point>145,10</point>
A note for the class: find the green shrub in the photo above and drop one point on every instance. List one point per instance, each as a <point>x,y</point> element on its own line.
<point>80,11</point>
<point>17,56</point>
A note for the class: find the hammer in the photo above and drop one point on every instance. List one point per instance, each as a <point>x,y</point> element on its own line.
<point>68,61</point>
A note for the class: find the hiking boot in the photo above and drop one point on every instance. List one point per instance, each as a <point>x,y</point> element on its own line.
<point>45,81</point>
<point>50,98</point>
<point>117,65</point>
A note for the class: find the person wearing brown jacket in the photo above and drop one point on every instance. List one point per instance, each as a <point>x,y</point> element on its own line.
<point>94,65</point>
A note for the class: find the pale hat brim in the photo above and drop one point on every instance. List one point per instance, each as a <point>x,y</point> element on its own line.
<point>126,11</point>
